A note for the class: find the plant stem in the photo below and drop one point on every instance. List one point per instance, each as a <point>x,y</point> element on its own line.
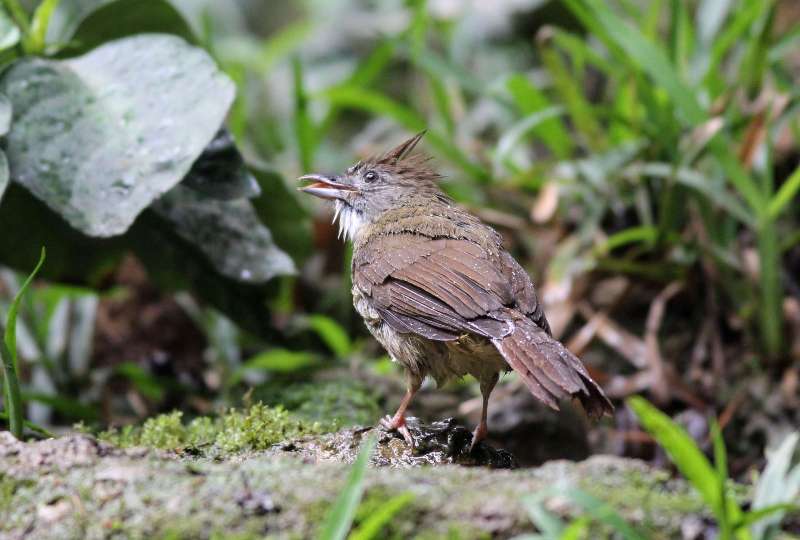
<point>11,393</point>
<point>770,256</point>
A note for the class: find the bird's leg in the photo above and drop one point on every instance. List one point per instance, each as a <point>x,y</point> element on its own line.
<point>487,385</point>
<point>398,421</point>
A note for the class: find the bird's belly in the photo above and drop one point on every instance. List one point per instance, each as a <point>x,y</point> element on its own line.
<point>443,360</point>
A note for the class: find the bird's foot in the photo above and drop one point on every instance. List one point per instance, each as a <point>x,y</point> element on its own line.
<point>478,435</point>
<point>398,424</point>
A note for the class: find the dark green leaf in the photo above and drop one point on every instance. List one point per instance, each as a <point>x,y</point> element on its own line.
<point>275,360</point>
<point>340,517</point>
<point>100,136</point>
<point>332,333</point>
<point>280,211</point>
<point>228,232</point>
<point>220,171</point>
<point>82,25</point>
<point>6,111</point>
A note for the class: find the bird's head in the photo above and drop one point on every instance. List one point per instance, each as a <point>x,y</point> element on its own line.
<point>372,186</point>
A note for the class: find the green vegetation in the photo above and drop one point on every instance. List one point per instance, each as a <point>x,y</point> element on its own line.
<point>256,428</point>
<point>775,492</point>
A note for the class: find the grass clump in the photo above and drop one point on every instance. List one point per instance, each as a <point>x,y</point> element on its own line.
<point>255,428</point>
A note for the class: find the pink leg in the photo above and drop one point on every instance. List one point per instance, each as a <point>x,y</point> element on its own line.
<point>398,421</point>
<point>482,430</point>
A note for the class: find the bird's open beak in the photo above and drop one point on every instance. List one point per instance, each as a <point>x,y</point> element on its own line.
<point>325,187</point>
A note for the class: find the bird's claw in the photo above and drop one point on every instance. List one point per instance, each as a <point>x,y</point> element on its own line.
<point>390,423</point>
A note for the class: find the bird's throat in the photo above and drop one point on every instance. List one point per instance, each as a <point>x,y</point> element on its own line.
<point>350,220</point>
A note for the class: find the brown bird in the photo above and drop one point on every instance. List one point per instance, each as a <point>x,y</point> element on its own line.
<point>438,291</point>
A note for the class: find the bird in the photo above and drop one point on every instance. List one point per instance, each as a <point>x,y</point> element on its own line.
<point>438,290</point>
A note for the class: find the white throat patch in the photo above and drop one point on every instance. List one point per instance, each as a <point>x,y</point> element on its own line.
<point>350,221</point>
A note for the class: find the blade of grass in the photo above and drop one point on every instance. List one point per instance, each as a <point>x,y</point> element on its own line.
<point>332,333</point>
<point>303,125</point>
<point>682,450</point>
<point>784,195</point>
<point>602,512</point>
<point>11,393</point>
<point>36,428</point>
<point>518,131</point>
<point>530,100</point>
<point>569,86</point>
<point>18,14</point>
<point>35,41</point>
<point>379,519</point>
<point>340,517</point>
<point>771,295</point>
<point>548,524</point>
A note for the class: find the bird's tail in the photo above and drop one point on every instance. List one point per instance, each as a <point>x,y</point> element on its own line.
<point>549,370</point>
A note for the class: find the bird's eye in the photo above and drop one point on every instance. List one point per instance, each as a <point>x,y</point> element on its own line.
<point>371,176</point>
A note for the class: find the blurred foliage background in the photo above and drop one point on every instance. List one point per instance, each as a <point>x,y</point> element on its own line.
<point>639,158</point>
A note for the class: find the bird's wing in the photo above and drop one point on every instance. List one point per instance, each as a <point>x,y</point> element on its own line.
<point>442,288</point>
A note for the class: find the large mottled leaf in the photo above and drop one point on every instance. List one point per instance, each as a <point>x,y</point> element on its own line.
<point>220,171</point>
<point>172,263</point>
<point>5,115</point>
<point>228,232</point>
<point>99,137</point>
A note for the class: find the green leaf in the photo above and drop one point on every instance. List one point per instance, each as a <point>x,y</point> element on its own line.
<point>229,233</point>
<point>275,360</point>
<point>9,33</point>
<point>340,517</point>
<point>6,112</point>
<point>682,450</point>
<point>280,210</point>
<point>35,40</point>
<point>81,25</point>
<point>774,511</point>
<point>332,333</point>
<point>551,527</point>
<point>99,137</point>
<point>36,428</point>
<point>220,172</point>
<point>372,526</point>
<point>8,351</point>
<point>785,195</point>
<point>517,132</point>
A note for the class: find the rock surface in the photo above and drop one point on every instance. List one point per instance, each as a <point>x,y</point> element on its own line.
<point>78,487</point>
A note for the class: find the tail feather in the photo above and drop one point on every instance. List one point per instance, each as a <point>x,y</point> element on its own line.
<point>549,370</point>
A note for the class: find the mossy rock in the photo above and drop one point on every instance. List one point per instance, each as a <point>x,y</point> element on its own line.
<point>79,487</point>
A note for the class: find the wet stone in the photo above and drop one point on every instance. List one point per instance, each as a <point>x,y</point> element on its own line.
<point>444,442</point>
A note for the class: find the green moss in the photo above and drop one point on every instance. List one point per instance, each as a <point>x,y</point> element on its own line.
<point>256,428</point>
<point>8,487</point>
